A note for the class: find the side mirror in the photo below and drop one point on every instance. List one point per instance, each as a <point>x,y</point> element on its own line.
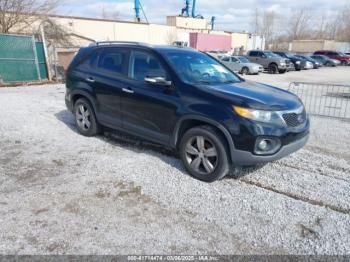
<point>158,81</point>
<point>263,56</point>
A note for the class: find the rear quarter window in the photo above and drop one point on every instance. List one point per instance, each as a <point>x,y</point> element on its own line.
<point>88,61</point>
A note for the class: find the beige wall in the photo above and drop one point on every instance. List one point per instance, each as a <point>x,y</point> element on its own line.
<point>239,40</point>
<point>187,22</point>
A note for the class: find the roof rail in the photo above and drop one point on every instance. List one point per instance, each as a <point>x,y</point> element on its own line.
<point>98,43</point>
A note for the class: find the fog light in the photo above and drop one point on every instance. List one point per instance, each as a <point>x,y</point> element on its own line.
<point>267,146</point>
<point>263,145</point>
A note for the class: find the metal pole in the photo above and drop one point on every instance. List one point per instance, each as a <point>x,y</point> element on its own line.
<point>36,58</point>
<point>45,53</point>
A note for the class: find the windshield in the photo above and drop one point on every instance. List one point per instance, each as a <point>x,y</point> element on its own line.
<point>271,55</point>
<point>193,67</point>
<point>290,55</point>
<point>243,59</point>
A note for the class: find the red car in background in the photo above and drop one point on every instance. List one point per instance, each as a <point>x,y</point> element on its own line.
<point>344,59</point>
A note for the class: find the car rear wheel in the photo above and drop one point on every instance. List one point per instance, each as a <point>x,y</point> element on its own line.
<point>85,118</point>
<point>344,63</point>
<point>273,68</point>
<point>204,154</point>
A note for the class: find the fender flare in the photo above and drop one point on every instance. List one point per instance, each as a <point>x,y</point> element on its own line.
<point>87,95</point>
<point>209,121</point>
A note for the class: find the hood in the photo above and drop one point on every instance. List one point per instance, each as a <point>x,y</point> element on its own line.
<point>254,95</point>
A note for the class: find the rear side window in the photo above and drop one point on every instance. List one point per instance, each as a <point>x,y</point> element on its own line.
<point>144,65</point>
<point>226,59</point>
<point>112,60</point>
<point>254,53</point>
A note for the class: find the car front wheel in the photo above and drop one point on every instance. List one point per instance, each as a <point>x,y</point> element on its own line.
<point>204,154</point>
<point>245,71</point>
<point>85,118</point>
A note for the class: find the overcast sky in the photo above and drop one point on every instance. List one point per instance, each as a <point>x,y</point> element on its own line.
<point>233,15</point>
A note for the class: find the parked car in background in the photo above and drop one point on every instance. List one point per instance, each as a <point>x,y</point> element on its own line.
<point>299,63</point>
<point>325,60</point>
<point>270,61</point>
<point>316,64</point>
<point>241,65</point>
<point>343,58</point>
<point>216,53</point>
<point>185,100</point>
<point>347,53</point>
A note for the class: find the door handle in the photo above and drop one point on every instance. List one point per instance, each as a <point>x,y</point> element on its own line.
<point>128,90</point>
<point>90,79</point>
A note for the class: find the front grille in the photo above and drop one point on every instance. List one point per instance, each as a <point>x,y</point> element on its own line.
<point>294,119</point>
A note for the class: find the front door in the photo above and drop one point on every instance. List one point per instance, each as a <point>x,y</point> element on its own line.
<point>148,109</point>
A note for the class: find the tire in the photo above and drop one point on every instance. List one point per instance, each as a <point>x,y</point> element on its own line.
<point>344,63</point>
<point>328,64</point>
<point>282,71</point>
<point>85,118</point>
<point>273,69</point>
<point>204,154</point>
<point>245,71</point>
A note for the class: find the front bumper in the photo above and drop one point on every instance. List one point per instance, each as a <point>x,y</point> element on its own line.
<point>246,158</point>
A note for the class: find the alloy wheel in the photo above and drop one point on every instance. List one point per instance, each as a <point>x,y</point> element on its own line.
<point>83,117</point>
<point>201,155</point>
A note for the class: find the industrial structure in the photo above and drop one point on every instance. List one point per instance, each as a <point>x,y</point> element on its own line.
<point>188,28</point>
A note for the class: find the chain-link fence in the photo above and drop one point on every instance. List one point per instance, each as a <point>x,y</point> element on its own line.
<point>328,100</point>
<point>19,58</point>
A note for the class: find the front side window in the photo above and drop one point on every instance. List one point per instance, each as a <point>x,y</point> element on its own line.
<point>195,67</point>
<point>234,59</point>
<point>144,65</point>
<point>112,60</point>
<point>243,59</point>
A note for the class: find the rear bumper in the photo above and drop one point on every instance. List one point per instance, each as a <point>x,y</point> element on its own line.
<point>246,158</point>
<point>68,101</point>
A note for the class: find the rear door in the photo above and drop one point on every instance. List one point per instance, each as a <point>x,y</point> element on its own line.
<point>109,78</point>
<point>254,56</point>
<point>148,110</point>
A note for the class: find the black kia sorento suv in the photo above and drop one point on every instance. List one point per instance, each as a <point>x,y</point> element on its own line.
<point>185,100</point>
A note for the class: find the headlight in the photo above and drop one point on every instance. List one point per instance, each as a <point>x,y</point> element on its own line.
<point>259,115</point>
<point>297,62</point>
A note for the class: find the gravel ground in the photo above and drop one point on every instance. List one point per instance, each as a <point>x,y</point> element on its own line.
<point>62,193</point>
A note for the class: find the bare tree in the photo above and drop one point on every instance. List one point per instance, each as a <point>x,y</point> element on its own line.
<point>15,15</point>
<point>343,33</point>
<point>268,26</point>
<point>256,21</point>
<point>299,24</point>
<point>265,24</point>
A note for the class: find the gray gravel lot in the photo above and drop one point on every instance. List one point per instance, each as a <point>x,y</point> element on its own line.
<point>62,193</point>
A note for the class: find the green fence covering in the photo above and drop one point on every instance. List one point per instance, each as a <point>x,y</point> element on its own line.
<point>41,59</point>
<point>21,59</point>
